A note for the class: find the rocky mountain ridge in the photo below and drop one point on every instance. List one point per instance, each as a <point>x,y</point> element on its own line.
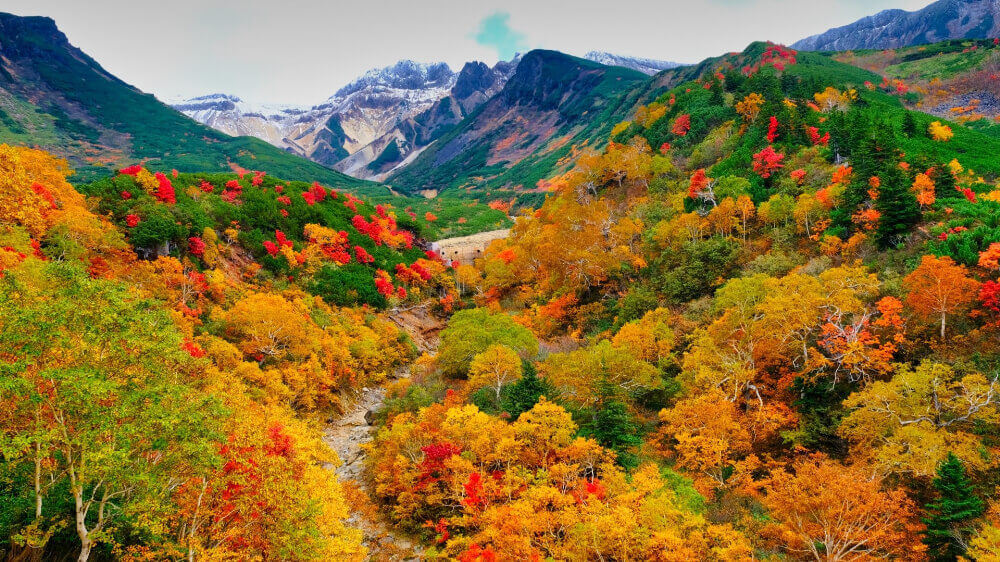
<point>367,127</point>
<point>889,29</point>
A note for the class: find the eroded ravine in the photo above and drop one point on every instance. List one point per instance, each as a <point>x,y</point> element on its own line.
<point>348,434</point>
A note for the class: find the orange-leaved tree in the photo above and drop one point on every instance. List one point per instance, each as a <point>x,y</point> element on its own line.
<point>830,512</point>
<point>939,287</point>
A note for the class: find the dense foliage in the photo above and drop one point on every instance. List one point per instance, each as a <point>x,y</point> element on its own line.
<point>760,322</point>
<point>159,408</point>
<point>771,297</point>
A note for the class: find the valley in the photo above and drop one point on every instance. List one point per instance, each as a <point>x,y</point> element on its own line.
<point>550,308</point>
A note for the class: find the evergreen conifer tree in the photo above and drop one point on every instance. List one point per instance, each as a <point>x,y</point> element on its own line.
<point>949,517</point>
<point>524,394</point>
<point>909,125</point>
<point>898,207</point>
<point>614,429</point>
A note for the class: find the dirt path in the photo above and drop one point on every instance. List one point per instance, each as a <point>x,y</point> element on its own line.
<point>347,434</point>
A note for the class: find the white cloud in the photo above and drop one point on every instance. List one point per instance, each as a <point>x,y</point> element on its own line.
<point>301,51</point>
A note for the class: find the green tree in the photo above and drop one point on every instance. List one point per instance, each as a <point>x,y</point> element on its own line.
<point>614,429</point>
<point>525,393</point>
<point>944,182</point>
<point>950,517</point>
<point>898,208</point>
<point>909,125</point>
<point>103,410</point>
<point>471,332</point>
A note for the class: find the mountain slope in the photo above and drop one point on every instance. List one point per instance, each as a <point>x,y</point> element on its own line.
<point>411,130</point>
<point>552,104</point>
<point>957,79</point>
<point>369,127</point>
<point>944,19</point>
<point>56,97</point>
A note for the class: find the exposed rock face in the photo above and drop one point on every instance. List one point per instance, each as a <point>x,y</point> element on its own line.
<point>944,19</point>
<point>233,116</point>
<point>378,124</point>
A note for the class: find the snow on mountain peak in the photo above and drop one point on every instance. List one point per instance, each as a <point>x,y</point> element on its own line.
<point>644,65</point>
<point>404,75</point>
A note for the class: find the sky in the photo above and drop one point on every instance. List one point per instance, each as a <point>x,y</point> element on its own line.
<point>302,51</point>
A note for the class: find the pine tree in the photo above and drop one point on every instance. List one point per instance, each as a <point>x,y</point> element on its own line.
<point>909,125</point>
<point>898,207</point>
<point>944,182</point>
<point>949,518</point>
<point>613,428</point>
<point>524,394</point>
<point>717,94</point>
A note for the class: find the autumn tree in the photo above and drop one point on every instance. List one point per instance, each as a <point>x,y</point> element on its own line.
<point>939,287</point>
<point>580,374</point>
<point>940,132</point>
<point>471,332</point>
<point>495,368</point>
<point>749,107</point>
<point>923,188</point>
<point>650,338</point>
<point>767,162</point>
<point>829,512</point>
<point>706,436</point>
<point>270,326</point>
<point>908,424</point>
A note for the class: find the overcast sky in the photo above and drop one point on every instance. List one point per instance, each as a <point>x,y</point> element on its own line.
<point>301,51</point>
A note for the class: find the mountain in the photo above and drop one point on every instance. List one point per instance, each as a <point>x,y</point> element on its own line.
<point>643,65</point>
<point>944,19</point>
<point>370,126</point>
<point>235,117</point>
<point>54,96</point>
<point>553,104</point>
<point>402,130</point>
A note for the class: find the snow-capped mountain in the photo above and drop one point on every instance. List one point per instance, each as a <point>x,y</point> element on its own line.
<point>368,127</point>
<point>235,117</point>
<point>405,75</point>
<point>645,66</point>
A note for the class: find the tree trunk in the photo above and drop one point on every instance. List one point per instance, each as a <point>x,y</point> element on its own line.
<point>84,552</point>
<point>38,480</point>
<point>81,526</point>
<point>942,325</point>
<point>81,517</point>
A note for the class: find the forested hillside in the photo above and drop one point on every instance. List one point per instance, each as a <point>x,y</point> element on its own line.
<point>759,323</point>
